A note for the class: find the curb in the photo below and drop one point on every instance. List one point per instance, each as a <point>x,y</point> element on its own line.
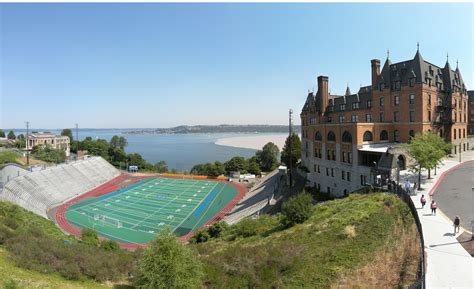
<point>443,175</point>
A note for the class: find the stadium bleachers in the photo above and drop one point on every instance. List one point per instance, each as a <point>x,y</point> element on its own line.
<point>48,188</point>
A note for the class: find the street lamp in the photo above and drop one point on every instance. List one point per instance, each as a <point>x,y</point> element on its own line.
<point>399,163</point>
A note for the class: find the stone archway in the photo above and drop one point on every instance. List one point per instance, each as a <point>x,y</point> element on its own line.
<point>402,162</point>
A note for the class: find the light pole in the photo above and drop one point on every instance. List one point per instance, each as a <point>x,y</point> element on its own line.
<point>289,147</point>
<point>398,174</point>
<point>27,140</point>
<point>460,152</point>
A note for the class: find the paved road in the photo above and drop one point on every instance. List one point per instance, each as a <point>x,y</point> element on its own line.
<point>454,194</point>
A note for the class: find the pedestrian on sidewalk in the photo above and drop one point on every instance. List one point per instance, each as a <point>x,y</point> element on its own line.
<point>423,201</point>
<point>434,206</point>
<point>456,223</point>
<point>407,186</point>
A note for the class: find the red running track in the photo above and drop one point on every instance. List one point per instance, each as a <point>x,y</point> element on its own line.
<point>119,182</point>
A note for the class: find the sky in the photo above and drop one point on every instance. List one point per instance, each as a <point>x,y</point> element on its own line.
<point>161,65</point>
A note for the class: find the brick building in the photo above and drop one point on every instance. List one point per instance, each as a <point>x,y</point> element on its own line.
<point>353,139</point>
<point>470,113</point>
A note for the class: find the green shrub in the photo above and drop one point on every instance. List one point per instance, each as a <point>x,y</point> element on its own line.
<point>168,263</point>
<point>109,245</point>
<point>89,237</point>
<point>246,228</point>
<point>297,209</point>
<point>10,284</point>
<point>200,237</point>
<point>216,230</point>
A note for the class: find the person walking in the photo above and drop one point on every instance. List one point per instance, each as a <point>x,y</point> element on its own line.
<point>456,223</point>
<point>423,201</point>
<point>434,206</point>
<point>407,186</point>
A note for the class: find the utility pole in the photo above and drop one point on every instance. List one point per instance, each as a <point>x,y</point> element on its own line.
<point>290,118</point>
<point>460,152</point>
<point>27,141</point>
<point>77,132</point>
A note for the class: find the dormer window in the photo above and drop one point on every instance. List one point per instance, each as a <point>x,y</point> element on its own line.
<point>342,107</point>
<point>397,84</point>
<point>355,105</point>
<point>411,82</point>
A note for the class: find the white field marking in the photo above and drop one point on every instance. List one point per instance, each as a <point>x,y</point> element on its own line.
<point>151,231</point>
<point>195,195</point>
<point>202,200</point>
<point>189,200</point>
<point>106,205</point>
<point>213,200</point>
<point>161,223</point>
<point>159,209</point>
<point>126,197</point>
<point>170,217</point>
<point>182,206</point>
<point>177,210</point>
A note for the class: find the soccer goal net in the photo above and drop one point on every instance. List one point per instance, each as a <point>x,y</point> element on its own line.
<point>107,221</point>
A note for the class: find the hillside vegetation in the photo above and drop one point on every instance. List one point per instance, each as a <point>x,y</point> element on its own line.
<point>362,240</point>
<point>336,246</point>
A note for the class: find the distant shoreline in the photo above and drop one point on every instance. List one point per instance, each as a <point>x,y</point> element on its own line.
<point>255,142</point>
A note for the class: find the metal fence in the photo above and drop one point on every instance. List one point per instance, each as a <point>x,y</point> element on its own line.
<point>405,196</point>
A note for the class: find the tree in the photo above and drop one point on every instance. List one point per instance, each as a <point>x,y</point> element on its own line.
<point>2,133</point>
<point>67,132</point>
<point>267,158</point>
<point>168,263</point>
<point>236,164</point>
<point>136,160</point>
<point>161,167</point>
<point>89,237</point>
<point>11,135</point>
<point>254,167</point>
<point>114,141</point>
<point>295,150</point>
<point>122,142</point>
<point>49,154</point>
<point>297,209</point>
<point>427,150</point>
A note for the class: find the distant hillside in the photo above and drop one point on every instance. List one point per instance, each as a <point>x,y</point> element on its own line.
<point>223,128</point>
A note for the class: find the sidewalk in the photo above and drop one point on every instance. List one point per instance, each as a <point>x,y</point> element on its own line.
<point>448,265</point>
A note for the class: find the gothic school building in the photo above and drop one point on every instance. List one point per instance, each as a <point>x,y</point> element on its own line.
<point>352,140</point>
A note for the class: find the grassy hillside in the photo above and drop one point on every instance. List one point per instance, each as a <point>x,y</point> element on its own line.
<point>367,240</point>
<point>9,157</point>
<point>341,240</point>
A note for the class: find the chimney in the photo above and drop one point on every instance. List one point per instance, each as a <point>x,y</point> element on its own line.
<point>323,92</point>
<point>375,72</point>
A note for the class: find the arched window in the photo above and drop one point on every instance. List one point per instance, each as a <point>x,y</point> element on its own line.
<point>411,134</point>
<point>318,137</point>
<point>396,136</point>
<point>347,137</point>
<point>367,136</point>
<point>331,136</point>
<point>384,135</point>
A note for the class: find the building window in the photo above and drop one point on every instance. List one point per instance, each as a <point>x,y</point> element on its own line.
<point>429,116</point>
<point>396,136</point>
<point>331,136</point>
<point>383,135</point>
<point>369,103</point>
<point>327,172</point>
<point>354,118</point>
<point>342,107</point>
<point>440,101</point>
<point>363,180</point>
<point>343,157</point>
<point>348,176</point>
<point>343,175</point>
<point>355,105</point>
<point>396,116</point>
<point>333,155</point>
<point>381,101</point>
<point>332,172</point>
<point>342,119</point>
<point>349,158</point>
<point>368,117</point>
<point>329,119</point>
<point>412,99</point>
<point>329,190</point>
<point>317,136</point>
<point>397,100</point>
<point>315,168</point>
<point>382,116</point>
<point>397,84</point>
<point>464,133</point>
<point>459,133</point>
<point>346,137</point>
<point>412,116</point>
<point>411,134</point>
<point>411,82</point>
<point>367,136</point>
<point>319,169</point>
<point>429,99</point>
<point>328,156</point>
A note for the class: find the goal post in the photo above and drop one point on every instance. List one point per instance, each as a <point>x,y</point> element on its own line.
<point>104,220</point>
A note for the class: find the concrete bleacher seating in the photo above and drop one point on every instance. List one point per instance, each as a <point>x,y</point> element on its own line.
<point>42,190</point>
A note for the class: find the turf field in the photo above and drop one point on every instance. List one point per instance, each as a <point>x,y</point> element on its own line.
<point>136,213</point>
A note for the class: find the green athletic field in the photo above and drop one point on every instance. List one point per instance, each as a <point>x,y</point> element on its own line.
<point>135,214</point>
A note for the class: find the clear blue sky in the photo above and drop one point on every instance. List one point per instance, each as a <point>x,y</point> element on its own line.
<point>159,65</point>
